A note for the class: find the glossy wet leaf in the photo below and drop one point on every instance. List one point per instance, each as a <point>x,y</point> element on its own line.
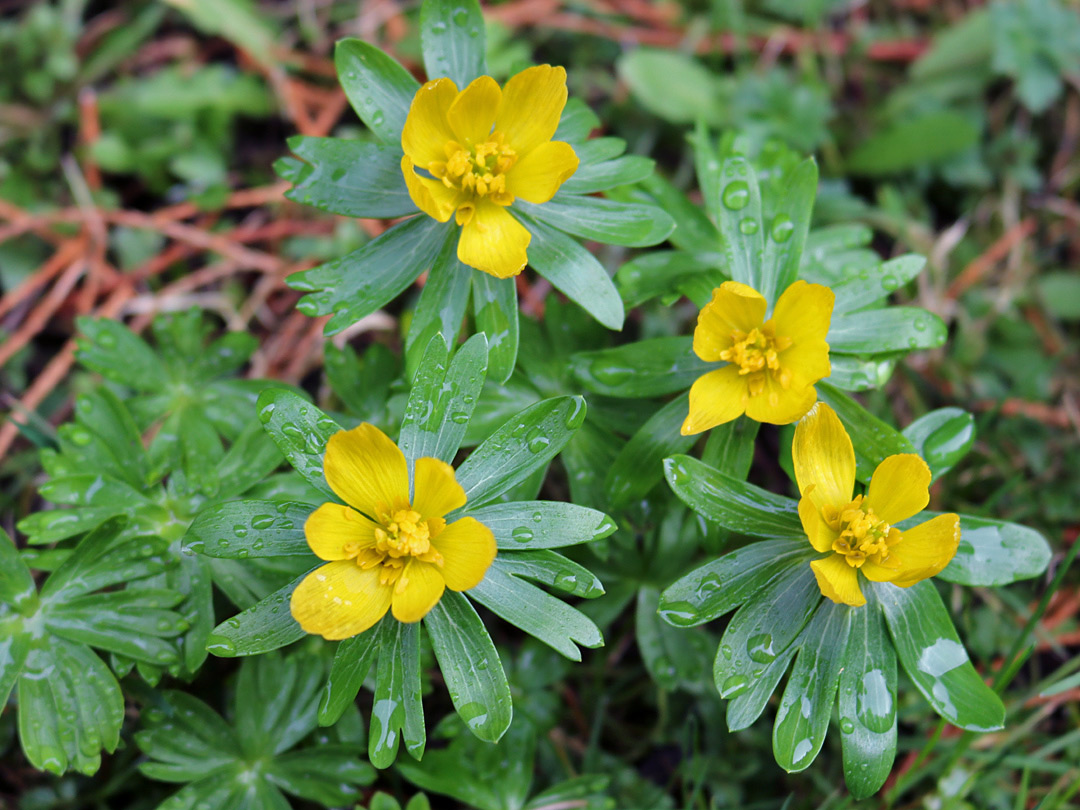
<point>993,552</point>
<point>365,280</point>
<point>548,568</point>
<point>785,234</point>
<point>496,310</point>
<point>870,286</point>
<point>520,525</point>
<point>603,175</point>
<point>352,663</point>
<point>639,466</point>
<point>397,713</point>
<point>453,40</point>
<point>379,89</point>
<point>574,271</point>
<point>517,449</point>
<point>351,178</point>
<point>647,368</point>
<point>601,220</point>
<point>721,585</point>
<point>886,330</point>
<point>674,658</point>
<point>802,719</point>
<point>734,504</point>
<point>300,430</point>
<point>933,657</point>
<point>737,200</point>
<point>240,529</point>
<point>441,307</point>
<point>942,437</point>
<point>470,666</point>
<point>442,399</point>
<point>266,625</point>
<point>867,703</point>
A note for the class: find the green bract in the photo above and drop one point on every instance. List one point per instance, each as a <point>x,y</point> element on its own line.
<point>500,478</point>
<point>364,179</point>
<point>70,705</point>
<point>842,655</point>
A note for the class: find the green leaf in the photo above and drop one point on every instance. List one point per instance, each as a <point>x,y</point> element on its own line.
<point>118,354</point>
<point>802,718</point>
<point>787,231</point>
<point>914,142</point>
<point>453,39</point>
<point>133,623</point>
<point>730,447</point>
<point>639,466</point>
<point>577,121</point>
<point>762,629</point>
<point>734,504</point>
<point>870,286</point>
<point>672,85</point>
<point>550,568</point>
<point>669,272</point>
<point>441,307</point>
<point>673,658</point>
<point>886,330</point>
<point>275,702</point>
<point>352,662</point>
<point>378,87</point>
<point>574,271</point>
<point>327,774</point>
<point>521,525</point>
<point>695,232</point>
<point>934,658</point>
<point>607,221</point>
<point>992,552</point>
<point>70,707</point>
<point>240,529</point>
<point>470,666</point>
<point>539,614</point>
<point>647,368</point>
<point>872,439</point>
<point>267,625</point>
<point>351,178</point>
<point>739,207</point>
<point>942,437</point>
<point>867,702</point>
<point>495,305</point>
<point>301,431</point>
<point>721,585</point>
<point>17,586</point>
<point>442,400</point>
<point>201,450</point>
<point>520,447</point>
<point>14,647</point>
<point>607,174</point>
<point>368,278</point>
<point>398,707</point>
<point>850,373</point>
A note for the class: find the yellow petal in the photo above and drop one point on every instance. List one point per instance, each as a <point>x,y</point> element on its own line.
<point>537,176</point>
<point>431,196</point>
<point>734,307</point>
<point>838,581</point>
<point>340,600</point>
<point>926,549</point>
<point>824,459</point>
<point>900,488</point>
<point>776,405</point>
<point>426,128</point>
<point>472,114</point>
<point>468,549</point>
<point>532,103</point>
<point>330,527</point>
<point>715,398</point>
<point>367,471</point>
<point>803,312</point>
<point>436,491</point>
<point>808,362</point>
<point>423,588</point>
<point>818,532</point>
<point>493,241</point>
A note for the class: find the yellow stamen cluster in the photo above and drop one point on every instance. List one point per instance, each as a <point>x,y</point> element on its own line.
<point>478,172</point>
<point>401,535</point>
<point>863,535</point>
<point>757,353</point>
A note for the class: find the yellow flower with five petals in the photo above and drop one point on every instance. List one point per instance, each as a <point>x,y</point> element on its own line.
<point>772,365</point>
<point>479,150</point>
<point>860,530</point>
<point>385,550</point>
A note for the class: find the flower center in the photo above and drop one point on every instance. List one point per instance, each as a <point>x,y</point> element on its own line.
<point>478,172</point>
<point>400,536</point>
<point>863,535</point>
<point>757,353</point>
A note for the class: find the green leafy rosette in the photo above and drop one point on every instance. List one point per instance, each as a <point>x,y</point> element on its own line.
<point>501,479</point>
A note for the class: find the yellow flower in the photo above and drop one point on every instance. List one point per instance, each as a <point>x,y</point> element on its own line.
<point>771,365</point>
<point>860,530</point>
<point>385,551</point>
<point>479,150</point>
